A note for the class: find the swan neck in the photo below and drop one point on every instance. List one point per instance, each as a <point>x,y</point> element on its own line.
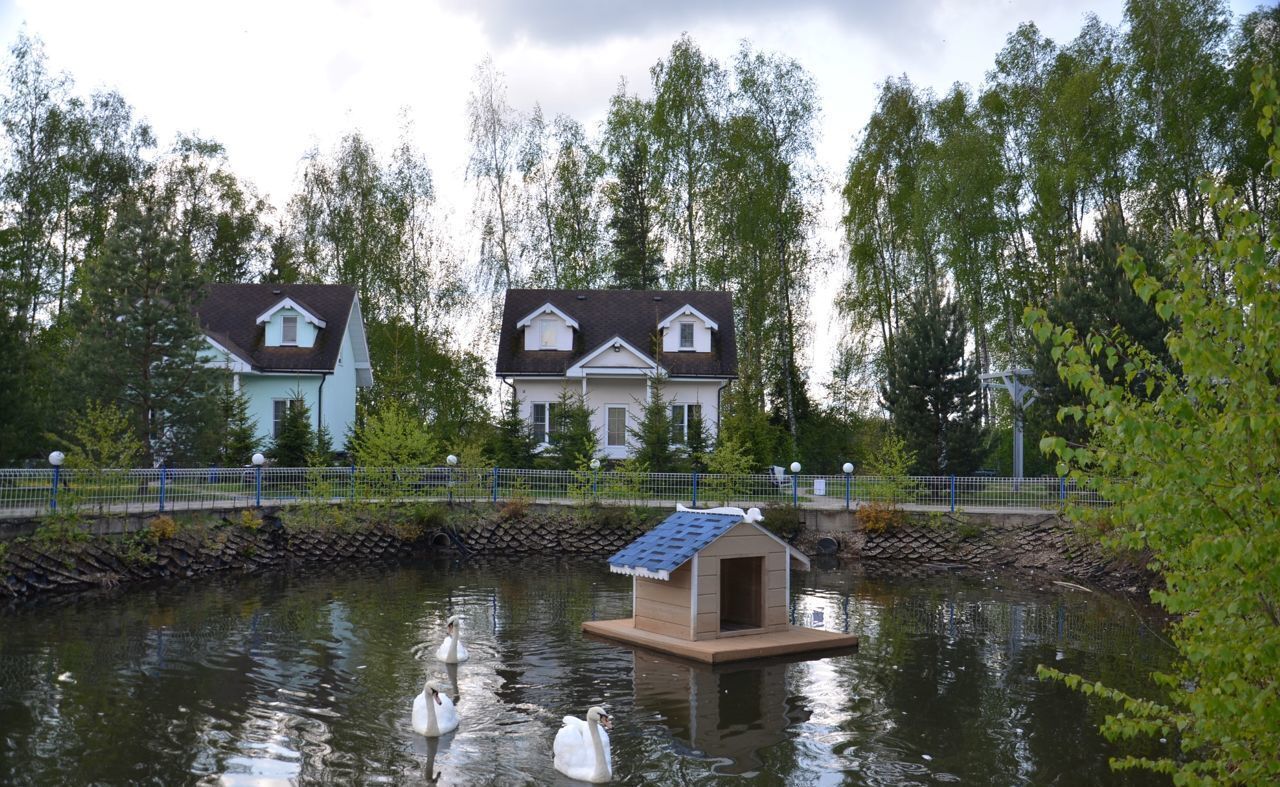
<point>453,643</point>
<point>433,726</point>
<point>597,746</point>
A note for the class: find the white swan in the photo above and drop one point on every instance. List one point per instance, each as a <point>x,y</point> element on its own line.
<point>582,748</point>
<point>433,712</point>
<point>452,650</point>
<point>750,515</point>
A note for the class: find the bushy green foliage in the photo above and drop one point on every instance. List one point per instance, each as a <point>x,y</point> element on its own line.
<point>725,467</point>
<point>103,437</point>
<point>511,442</point>
<point>1187,451</point>
<point>393,436</point>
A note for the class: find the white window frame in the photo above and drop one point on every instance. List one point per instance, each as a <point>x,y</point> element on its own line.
<point>691,328</point>
<point>608,409</point>
<point>285,321</point>
<point>278,414</point>
<point>548,422</point>
<point>682,423</point>
<point>547,329</point>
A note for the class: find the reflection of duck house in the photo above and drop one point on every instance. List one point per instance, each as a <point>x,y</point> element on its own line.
<point>732,712</point>
<point>712,587</point>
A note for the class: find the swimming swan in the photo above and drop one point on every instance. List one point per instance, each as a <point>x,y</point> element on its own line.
<point>452,650</point>
<point>582,748</point>
<point>433,712</point>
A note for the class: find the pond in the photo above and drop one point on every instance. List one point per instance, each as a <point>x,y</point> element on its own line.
<point>308,677</point>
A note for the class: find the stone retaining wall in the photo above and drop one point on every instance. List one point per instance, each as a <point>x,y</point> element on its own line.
<point>140,549</point>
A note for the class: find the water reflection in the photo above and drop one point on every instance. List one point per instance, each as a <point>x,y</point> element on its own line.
<point>310,678</point>
<point>727,714</point>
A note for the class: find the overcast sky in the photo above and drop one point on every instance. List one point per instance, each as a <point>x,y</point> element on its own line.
<point>271,79</point>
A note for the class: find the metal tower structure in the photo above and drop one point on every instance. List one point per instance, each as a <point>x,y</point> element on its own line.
<point>1023,395</point>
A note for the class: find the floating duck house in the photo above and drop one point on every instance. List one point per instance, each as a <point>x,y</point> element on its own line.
<point>712,586</point>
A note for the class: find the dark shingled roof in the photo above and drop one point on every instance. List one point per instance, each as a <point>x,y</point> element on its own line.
<point>673,542</point>
<point>632,315</point>
<point>229,311</point>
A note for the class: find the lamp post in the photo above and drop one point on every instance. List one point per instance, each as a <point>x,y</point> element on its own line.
<point>795,484</point>
<point>258,459</point>
<point>56,459</point>
<point>848,482</point>
<point>595,475</point>
<point>451,460</point>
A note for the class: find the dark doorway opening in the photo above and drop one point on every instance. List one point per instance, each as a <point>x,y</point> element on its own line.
<point>741,593</point>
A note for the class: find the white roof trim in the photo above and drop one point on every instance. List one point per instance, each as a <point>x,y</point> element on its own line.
<point>577,369</point>
<point>289,303</point>
<point>640,571</point>
<point>234,362</point>
<point>546,308</point>
<point>687,310</point>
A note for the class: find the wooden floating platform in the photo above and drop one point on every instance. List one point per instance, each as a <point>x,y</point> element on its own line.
<point>794,640</point>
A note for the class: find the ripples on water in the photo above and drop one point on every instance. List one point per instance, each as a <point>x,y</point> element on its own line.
<point>308,678</point>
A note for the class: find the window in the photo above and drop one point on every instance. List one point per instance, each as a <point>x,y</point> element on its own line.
<point>544,419</point>
<point>686,336</point>
<point>289,330</point>
<point>682,417</point>
<point>615,426</point>
<point>278,413</point>
<point>547,331</point>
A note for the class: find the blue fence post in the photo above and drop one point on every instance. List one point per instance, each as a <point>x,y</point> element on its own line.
<point>162,477</point>
<point>795,490</point>
<point>953,494</point>
<point>449,482</point>
<point>695,488</point>
<point>595,480</point>
<point>351,487</point>
<point>257,471</point>
<point>495,486</point>
<point>848,491</point>
<point>1062,489</point>
<point>53,493</point>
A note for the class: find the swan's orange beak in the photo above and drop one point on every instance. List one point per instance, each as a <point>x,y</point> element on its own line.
<point>436,696</point>
<point>606,722</point>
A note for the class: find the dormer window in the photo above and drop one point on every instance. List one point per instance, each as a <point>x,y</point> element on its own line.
<point>686,336</point>
<point>289,329</point>
<point>547,333</point>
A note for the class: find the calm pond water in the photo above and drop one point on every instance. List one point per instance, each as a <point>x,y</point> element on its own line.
<point>308,678</point>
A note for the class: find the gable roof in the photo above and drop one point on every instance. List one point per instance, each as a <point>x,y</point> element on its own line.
<point>290,303</point>
<point>616,342</point>
<point>229,312</point>
<point>687,309</point>
<point>671,544</point>
<point>547,308</point>
<point>631,315</point>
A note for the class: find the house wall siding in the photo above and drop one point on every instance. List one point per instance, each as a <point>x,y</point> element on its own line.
<point>743,540</point>
<point>663,607</point>
<point>631,392</point>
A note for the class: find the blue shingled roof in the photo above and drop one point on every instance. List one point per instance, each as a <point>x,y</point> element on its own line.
<point>672,543</point>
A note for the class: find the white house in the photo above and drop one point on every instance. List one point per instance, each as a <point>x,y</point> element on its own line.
<point>288,342</point>
<point>607,345</point>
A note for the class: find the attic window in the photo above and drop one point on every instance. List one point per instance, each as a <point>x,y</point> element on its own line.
<point>547,333</point>
<point>289,330</point>
<point>686,336</point>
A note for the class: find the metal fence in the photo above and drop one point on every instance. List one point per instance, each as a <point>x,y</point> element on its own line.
<point>26,493</point>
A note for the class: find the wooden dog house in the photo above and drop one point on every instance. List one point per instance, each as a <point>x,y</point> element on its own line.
<point>714,586</point>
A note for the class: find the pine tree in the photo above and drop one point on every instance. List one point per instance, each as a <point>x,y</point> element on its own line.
<point>141,343</point>
<point>511,443</point>
<point>574,440</point>
<point>652,436</point>
<point>232,437</point>
<point>294,440</point>
<point>931,393</point>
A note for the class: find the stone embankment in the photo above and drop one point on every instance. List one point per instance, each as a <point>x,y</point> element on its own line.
<point>162,548</point>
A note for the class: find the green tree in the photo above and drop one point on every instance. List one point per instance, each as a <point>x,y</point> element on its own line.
<point>103,437</point>
<point>635,248</point>
<point>294,439</point>
<point>140,341</point>
<point>231,437</point>
<point>651,437</point>
<point>1189,462</point>
<point>393,436</point>
<point>511,442</point>
<point>931,392</point>
<point>573,441</point>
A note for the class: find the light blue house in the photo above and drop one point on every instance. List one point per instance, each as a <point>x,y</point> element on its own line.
<point>290,342</point>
